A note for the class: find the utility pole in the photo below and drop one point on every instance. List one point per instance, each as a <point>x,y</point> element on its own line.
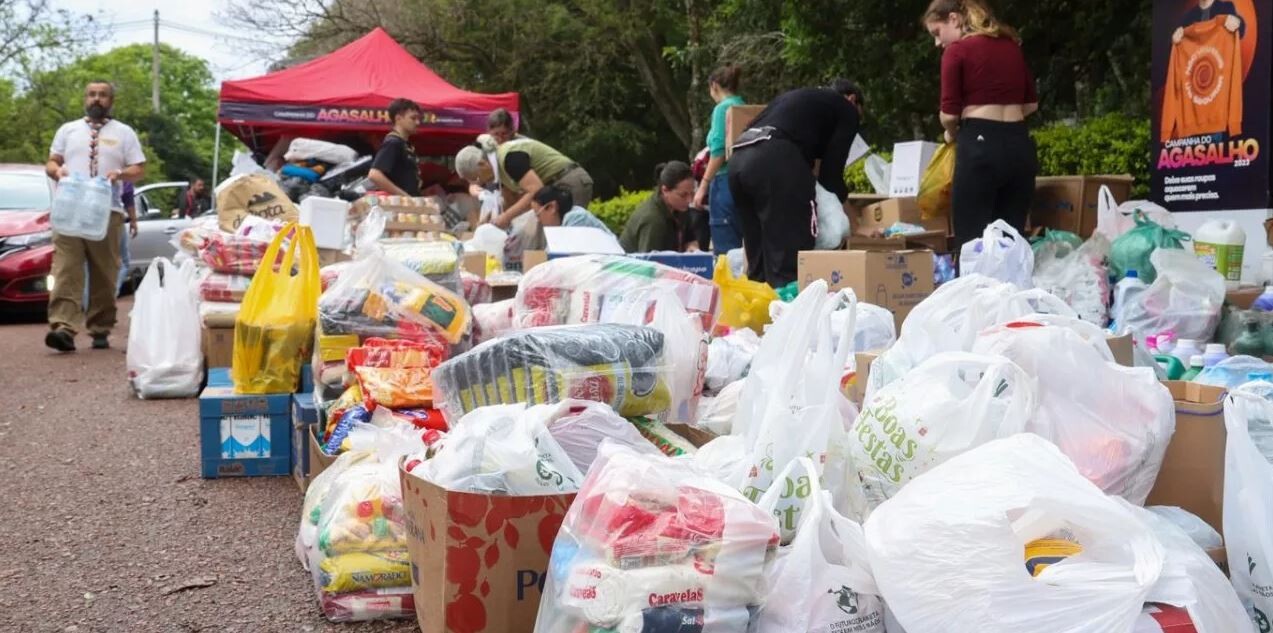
<point>154,69</point>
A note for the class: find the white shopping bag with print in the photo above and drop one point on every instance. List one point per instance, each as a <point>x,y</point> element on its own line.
<point>1248,498</point>
<point>1000,253</point>
<point>821,580</point>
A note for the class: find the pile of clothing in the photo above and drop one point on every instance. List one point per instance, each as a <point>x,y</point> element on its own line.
<point>308,161</point>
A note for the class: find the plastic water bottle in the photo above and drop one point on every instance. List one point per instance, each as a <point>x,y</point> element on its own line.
<point>1213,354</point>
<point>1196,366</point>
<point>1265,301</point>
<point>81,207</point>
<point>1186,349</point>
<point>1124,292</point>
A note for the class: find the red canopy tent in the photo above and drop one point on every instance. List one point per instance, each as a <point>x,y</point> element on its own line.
<point>345,94</point>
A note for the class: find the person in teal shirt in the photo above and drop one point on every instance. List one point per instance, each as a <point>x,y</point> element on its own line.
<point>726,234</point>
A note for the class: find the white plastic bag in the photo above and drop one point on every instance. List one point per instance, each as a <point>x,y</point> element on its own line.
<point>684,343</point>
<point>948,551</point>
<point>1001,253</point>
<point>1202,535</point>
<point>1235,371</point>
<point>728,359</point>
<point>242,164</point>
<point>879,172</point>
<point>1114,422</point>
<point>876,328</point>
<point>1113,219</point>
<point>821,580</point>
<point>165,354</point>
<point>717,414</point>
<point>503,449</point>
<point>303,149</point>
<point>1185,298</point>
<point>1080,277</point>
<point>802,411</point>
<point>1248,498</point>
<point>833,223</point>
<point>580,426</point>
<point>1191,580</point>
<point>488,239</point>
<point>950,404</point>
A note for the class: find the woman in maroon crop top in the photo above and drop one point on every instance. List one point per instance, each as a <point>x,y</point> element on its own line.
<point>986,93</point>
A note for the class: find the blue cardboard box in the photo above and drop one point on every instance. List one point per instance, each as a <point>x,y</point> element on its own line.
<point>307,379</point>
<point>219,377</point>
<point>701,264</point>
<point>304,416</point>
<point>244,435</point>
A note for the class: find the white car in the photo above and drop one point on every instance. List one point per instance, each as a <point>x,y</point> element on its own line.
<point>156,228</point>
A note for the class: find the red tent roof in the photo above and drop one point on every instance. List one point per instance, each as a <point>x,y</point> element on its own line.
<point>347,91</point>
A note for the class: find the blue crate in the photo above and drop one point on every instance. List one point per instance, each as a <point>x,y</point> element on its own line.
<point>307,379</point>
<point>304,410</point>
<point>219,377</point>
<point>701,264</point>
<point>244,435</point>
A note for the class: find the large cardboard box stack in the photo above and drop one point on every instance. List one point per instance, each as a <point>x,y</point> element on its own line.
<point>1071,203</point>
<point>478,562</point>
<point>897,280</point>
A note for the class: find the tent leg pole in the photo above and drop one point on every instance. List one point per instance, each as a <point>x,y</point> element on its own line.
<point>216,156</point>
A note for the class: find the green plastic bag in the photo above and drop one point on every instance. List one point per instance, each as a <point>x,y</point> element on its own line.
<point>1066,242</point>
<point>1131,251</point>
<point>789,292</point>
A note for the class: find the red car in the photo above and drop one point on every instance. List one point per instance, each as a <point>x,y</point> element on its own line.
<point>26,239</point>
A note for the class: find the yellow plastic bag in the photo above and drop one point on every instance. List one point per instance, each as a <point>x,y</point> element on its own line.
<point>744,303</point>
<point>274,331</point>
<point>935,185</point>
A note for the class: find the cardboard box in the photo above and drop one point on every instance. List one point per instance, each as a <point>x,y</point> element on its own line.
<point>1192,474</point>
<point>531,259</point>
<point>1122,347</point>
<point>697,437</point>
<point>508,540</point>
<point>318,461</point>
<point>737,119</point>
<point>856,389</point>
<point>896,280</point>
<point>701,264</point>
<point>218,346</point>
<point>1244,297</point>
<point>475,263</point>
<point>1071,203</point>
<point>329,256</point>
<point>244,435</point>
<point>856,202</point>
<point>886,213</point>
<point>910,160</point>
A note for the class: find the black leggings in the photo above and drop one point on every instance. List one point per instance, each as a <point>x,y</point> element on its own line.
<point>773,189</point>
<point>995,166</point>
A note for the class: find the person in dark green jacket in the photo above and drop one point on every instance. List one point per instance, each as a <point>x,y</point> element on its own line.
<point>659,223</point>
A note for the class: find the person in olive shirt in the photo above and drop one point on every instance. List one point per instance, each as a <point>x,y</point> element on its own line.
<point>525,166</point>
<point>396,169</point>
<point>801,138</point>
<point>659,223</point>
<point>726,233</point>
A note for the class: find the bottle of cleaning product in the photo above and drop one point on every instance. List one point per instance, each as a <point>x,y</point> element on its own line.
<point>1124,292</point>
<point>1166,342</point>
<point>1186,349</point>
<point>1213,354</point>
<point>1219,244</point>
<point>1195,367</point>
<point>1249,343</point>
<point>1265,301</point>
<point>1171,366</point>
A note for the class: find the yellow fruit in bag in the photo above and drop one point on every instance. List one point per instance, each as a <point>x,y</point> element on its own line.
<point>935,185</point>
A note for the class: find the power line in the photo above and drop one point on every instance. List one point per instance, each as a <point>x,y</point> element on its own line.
<point>199,31</point>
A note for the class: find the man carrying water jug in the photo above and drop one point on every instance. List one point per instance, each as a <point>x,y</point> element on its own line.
<point>95,146</point>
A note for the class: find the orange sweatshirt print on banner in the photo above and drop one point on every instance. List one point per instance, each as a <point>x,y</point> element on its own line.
<point>1203,94</point>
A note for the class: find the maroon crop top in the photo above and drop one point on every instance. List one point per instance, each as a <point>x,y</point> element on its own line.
<point>983,70</point>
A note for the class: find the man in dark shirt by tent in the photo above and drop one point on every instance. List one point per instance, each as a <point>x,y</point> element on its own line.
<point>396,169</point>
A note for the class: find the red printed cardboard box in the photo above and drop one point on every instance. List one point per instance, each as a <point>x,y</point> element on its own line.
<point>478,561</point>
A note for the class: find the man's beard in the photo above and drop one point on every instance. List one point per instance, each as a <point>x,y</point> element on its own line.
<point>97,111</point>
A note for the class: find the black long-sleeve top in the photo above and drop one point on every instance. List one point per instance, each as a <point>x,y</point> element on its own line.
<point>823,124</point>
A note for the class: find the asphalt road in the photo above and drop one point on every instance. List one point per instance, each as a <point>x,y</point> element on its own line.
<point>104,516</point>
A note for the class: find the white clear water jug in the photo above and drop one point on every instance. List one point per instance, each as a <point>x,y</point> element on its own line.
<point>81,207</point>
<point>1220,243</point>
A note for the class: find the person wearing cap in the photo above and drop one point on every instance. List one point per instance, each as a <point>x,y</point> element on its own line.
<point>801,139</point>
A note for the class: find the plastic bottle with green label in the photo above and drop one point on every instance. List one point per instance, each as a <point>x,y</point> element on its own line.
<point>1219,244</point>
<point>1195,367</point>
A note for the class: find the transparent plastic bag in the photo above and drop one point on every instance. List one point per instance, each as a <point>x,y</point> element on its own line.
<point>728,358</point>
<point>833,224</point>
<point>1248,497</point>
<point>580,427</point>
<point>1001,253</point>
<point>436,261</point>
<point>476,289</point>
<point>81,207</point>
<point>224,288</point>
<point>1234,372</point>
<point>380,297</point>
<point>165,359</point>
<point>1186,298</point>
<point>821,580</point>
<point>1114,422</point>
<point>948,550</point>
<point>586,289</point>
<point>1077,276</point>
<point>1202,535</point>
<point>876,328</point>
<point>620,365</point>
<point>684,345</point>
<point>505,450</point>
<point>488,239</point>
<point>492,320</point>
<point>950,404</point>
<point>650,539</point>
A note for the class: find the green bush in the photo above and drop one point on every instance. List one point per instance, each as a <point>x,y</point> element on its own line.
<point>1110,144</point>
<point>616,211</point>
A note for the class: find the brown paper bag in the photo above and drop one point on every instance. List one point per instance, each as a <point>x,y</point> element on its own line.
<point>254,194</point>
